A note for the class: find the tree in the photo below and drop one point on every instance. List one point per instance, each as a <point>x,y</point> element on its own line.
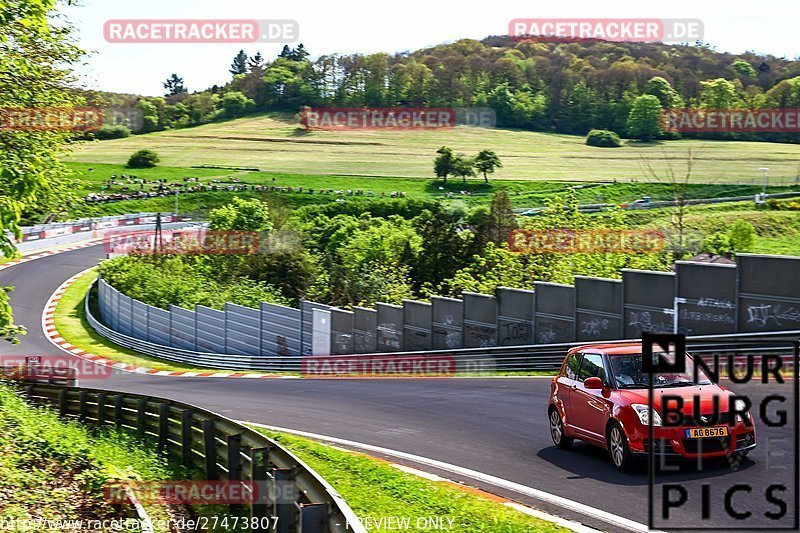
<point>463,167</point>
<point>256,63</point>
<point>679,183</point>
<point>239,65</point>
<point>294,54</point>
<point>740,66</point>
<point>496,266</point>
<point>174,85</point>
<point>149,113</point>
<point>661,89</point>
<point>486,162</point>
<point>443,249</point>
<point>143,159</point>
<point>443,164</point>
<point>500,222</point>
<point>235,104</point>
<point>241,215</point>
<point>718,94</point>
<point>35,72</point>
<point>644,120</point>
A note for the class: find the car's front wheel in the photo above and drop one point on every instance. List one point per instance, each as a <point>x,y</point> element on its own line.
<point>618,447</point>
<point>560,439</point>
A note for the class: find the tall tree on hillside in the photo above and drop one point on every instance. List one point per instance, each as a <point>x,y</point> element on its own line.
<point>443,164</point>
<point>256,63</point>
<point>239,65</point>
<point>294,54</point>
<point>719,94</point>
<point>661,89</point>
<point>36,65</point>
<point>486,162</point>
<point>644,120</point>
<point>300,53</point>
<point>174,85</point>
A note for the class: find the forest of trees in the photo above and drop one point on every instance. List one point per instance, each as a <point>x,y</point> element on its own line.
<point>568,87</point>
<point>374,250</point>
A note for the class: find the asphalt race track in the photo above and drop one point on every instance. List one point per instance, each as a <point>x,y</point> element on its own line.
<point>494,426</point>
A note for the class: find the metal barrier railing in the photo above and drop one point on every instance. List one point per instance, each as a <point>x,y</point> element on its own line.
<point>468,360</point>
<point>221,448</point>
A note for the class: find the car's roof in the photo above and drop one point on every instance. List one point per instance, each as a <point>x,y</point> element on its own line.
<point>611,349</point>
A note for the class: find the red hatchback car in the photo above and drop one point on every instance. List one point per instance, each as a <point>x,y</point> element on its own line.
<point>601,396</point>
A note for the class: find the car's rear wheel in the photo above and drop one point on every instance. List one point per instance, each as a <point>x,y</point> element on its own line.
<point>618,448</point>
<point>560,439</point>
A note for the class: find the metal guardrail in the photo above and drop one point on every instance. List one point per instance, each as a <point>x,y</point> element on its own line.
<point>468,360</point>
<point>223,449</point>
<point>593,208</point>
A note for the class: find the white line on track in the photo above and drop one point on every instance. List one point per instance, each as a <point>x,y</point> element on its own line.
<point>546,497</point>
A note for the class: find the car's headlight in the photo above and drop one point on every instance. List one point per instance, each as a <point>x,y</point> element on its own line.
<point>644,414</point>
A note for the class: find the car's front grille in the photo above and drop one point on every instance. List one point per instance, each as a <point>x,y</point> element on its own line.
<point>706,445</point>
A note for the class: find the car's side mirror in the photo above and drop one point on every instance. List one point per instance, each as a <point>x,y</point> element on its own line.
<point>593,383</point>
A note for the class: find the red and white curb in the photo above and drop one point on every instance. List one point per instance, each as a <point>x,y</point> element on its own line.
<point>50,331</point>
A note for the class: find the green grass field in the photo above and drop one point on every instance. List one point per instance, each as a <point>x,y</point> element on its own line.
<point>272,143</point>
<point>524,193</point>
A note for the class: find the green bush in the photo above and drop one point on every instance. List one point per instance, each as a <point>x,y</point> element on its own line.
<point>143,159</point>
<point>112,132</point>
<point>184,281</point>
<point>740,237</point>
<point>603,139</point>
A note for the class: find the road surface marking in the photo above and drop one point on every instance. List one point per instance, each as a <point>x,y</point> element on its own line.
<point>564,503</point>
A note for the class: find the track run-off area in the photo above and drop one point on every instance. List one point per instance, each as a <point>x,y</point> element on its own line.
<point>491,433</point>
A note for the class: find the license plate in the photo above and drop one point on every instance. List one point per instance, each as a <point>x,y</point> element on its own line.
<point>705,433</point>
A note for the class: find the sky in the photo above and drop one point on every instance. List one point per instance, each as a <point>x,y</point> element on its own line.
<point>350,26</point>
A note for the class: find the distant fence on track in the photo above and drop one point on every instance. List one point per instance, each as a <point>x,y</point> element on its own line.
<point>223,449</point>
<point>60,233</point>
<point>760,294</point>
<point>545,357</point>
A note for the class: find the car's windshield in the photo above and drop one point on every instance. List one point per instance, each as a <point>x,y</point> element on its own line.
<point>629,374</point>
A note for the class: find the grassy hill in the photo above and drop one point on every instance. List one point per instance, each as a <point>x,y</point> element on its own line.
<point>272,142</point>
